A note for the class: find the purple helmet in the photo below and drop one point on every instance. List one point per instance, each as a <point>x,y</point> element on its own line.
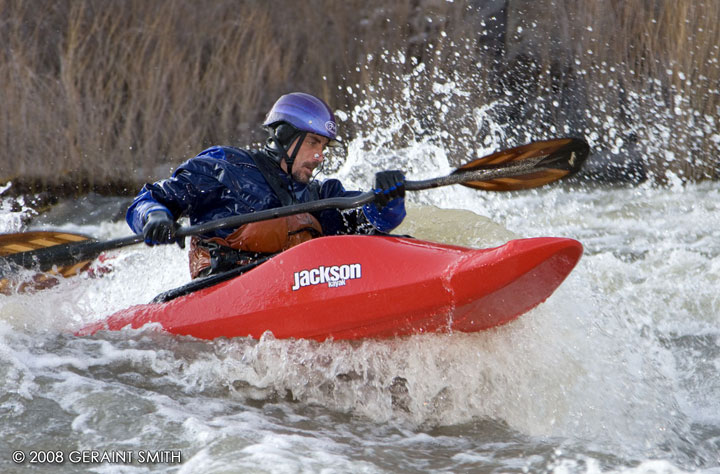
<point>305,112</point>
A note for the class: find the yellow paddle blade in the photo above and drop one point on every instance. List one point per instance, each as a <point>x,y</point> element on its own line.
<point>27,241</point>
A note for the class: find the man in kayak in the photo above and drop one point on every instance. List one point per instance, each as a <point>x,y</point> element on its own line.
<point>225,181</point>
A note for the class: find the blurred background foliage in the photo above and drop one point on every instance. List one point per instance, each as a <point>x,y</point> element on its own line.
<point>104,95</point>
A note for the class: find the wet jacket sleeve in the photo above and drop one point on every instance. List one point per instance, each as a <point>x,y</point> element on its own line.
<point>175,195</point>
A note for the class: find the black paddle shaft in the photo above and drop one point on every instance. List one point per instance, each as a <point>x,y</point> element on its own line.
<point>46,258</point>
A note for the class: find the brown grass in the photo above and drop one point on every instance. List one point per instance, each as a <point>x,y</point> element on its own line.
<point>115,92</point>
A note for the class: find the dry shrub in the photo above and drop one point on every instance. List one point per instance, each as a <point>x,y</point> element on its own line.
<point>111,93</point>
<point>101,91</point>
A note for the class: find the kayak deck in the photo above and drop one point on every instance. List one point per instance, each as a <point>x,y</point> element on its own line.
<point>352,287</point>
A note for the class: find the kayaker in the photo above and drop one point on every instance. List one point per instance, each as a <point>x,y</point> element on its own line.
<point>224,181</point>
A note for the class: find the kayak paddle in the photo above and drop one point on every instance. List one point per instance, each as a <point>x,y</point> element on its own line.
<point>523,167</point>
<point>28,241</point>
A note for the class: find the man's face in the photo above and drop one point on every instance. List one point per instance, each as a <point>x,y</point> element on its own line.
<point>308,158</point>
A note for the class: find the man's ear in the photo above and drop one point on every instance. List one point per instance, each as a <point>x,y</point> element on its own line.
<point>285,134</point>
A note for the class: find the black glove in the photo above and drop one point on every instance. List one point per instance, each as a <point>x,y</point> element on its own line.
<point>388,186</point>
<point>160,229</point>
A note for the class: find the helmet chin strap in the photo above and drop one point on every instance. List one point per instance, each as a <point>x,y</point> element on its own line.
<point>318,170</point>
<point>289,160</point>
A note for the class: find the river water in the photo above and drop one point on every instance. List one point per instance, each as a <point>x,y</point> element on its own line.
<point>616,372</point>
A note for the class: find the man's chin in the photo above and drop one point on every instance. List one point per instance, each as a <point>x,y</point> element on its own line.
<point>302,177</point>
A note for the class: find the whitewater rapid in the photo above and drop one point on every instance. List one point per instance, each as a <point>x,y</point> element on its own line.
<point>617,371</point>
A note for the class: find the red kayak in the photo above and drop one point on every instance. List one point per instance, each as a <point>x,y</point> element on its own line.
<point>352,287</point>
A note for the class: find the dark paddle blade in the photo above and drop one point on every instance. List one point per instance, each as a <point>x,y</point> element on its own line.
<point>536,164</point>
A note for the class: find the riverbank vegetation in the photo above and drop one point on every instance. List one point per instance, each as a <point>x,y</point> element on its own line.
<point>105,95</point>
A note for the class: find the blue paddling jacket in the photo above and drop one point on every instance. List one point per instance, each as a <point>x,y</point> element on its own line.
<point>225,181</point>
